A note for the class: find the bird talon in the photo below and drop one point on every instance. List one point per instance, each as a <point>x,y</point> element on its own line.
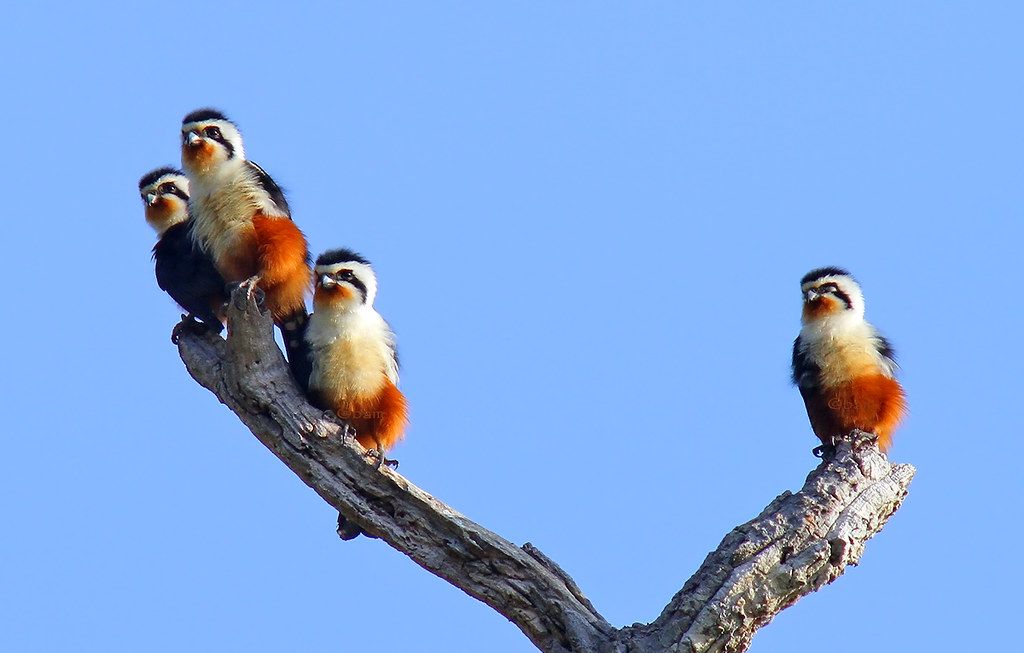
<point>176,331</point>
<point>188,324</point>
<point>258,296</point>
<point>373,453</point>
<point>862,438</point>
<point>823,451</point>
<point>348,432</point>
<point>253,292</point>
<point>237,300</point>
<point>378,453</point>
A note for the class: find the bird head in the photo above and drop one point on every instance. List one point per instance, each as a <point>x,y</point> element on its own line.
<point>830,293</point>
<point>164,193</point>
<point>208,141</point>
<point>343,280</point>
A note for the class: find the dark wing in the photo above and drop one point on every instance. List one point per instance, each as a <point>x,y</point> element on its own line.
<point>391,369</point>
<point>885,348</point>
<point>188,275</point>
<point>394,356</point>
<point>269,185</point>
<point>297,349</point>
<point>805,371</point>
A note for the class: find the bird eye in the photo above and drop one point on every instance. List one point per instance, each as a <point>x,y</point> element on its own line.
<point>167,187</point>
<point>212,132</point>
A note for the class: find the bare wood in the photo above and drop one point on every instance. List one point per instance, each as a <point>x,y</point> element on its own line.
<point>249,375</point>
<point>799,543</point>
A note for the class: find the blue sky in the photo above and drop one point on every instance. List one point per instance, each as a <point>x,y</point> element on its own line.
<point>589,222</point>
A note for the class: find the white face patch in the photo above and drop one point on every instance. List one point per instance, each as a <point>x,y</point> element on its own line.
<point>362,271</point>
<point>845,285</point>
<point>228,132</point>
<point>841,342</point>
<point>345,265</point>
<point>174,210</point>
<point>181,181</point>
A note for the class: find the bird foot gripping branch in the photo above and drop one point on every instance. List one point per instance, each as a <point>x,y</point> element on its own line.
<point>190,324</point>
<point>382,460</point>
<point>856,438</point>
<point>252,293</point>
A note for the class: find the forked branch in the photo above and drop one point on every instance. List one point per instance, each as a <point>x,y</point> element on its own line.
<point>797,544</point>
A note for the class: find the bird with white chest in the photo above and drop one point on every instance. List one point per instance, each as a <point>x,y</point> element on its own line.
<point>845,369</point>
<point>243,221</point>
<point>352,353</point>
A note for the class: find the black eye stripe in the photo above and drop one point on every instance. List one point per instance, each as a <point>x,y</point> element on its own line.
<point>360,286</point>
<point>833,289</point>
<point>843,297</point>
<point>348,276</point>
<point>223,141</point>
<point>172,189</point>
<point>214,133</point>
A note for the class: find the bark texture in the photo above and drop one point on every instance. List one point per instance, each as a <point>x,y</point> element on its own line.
<point>799,543</point>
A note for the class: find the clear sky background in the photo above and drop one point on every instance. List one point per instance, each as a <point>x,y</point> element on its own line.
<point>589,221</point>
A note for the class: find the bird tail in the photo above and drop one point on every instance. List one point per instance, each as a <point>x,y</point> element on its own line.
<point>293,330</point>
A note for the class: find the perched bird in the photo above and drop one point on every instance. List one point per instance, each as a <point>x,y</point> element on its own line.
<point>354,364</point>
<point>844,368</point>
<point>352,350</point>
<point>242,219</point>
<point>183,270</point>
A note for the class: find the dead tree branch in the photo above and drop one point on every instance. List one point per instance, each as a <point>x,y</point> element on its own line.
<point>799,543</point>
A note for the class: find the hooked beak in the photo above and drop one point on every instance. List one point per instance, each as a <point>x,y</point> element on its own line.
<point>811,294</point>
<point>327,282</point>
<point>193,139</point>
<point>150,199</point>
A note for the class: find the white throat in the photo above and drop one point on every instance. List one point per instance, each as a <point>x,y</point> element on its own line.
<point>352,349</point>
<point>224,201</point>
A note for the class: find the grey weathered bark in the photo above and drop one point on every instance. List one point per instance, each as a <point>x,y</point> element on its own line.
<point>799,543</point>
